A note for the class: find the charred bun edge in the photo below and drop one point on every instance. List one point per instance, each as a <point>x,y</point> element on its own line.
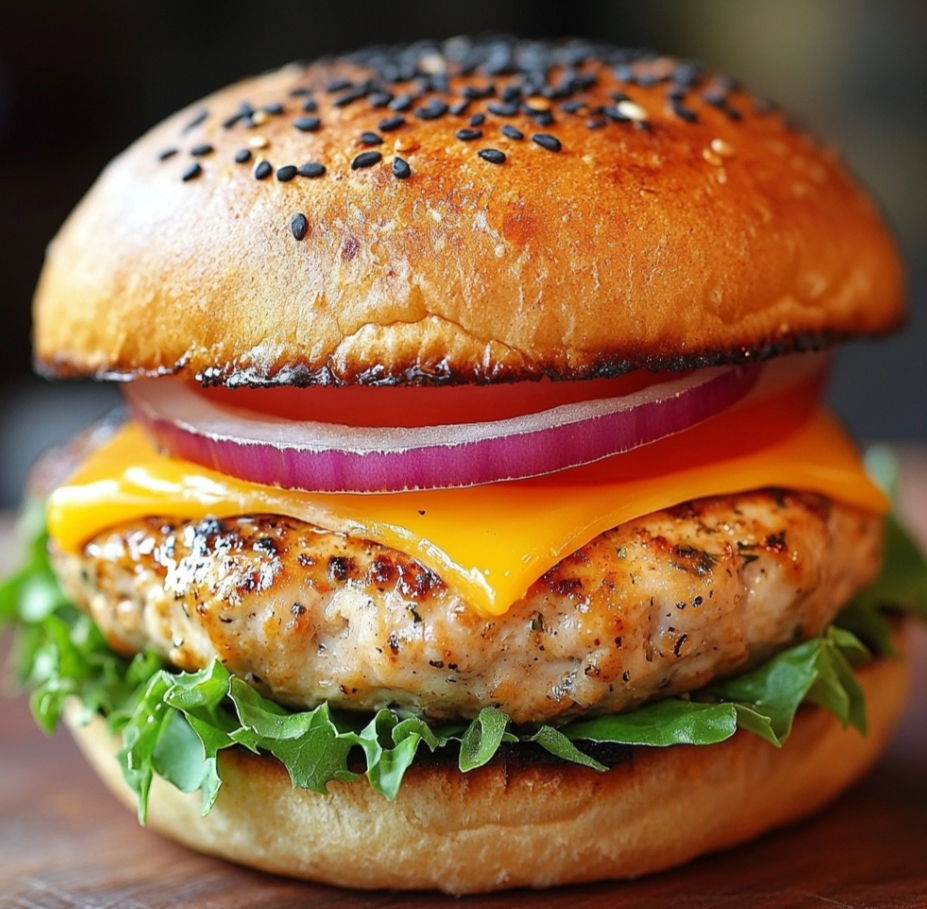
<point>303,375</point>
<point>518,822</point>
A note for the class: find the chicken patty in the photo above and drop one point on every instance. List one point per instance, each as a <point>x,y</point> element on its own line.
<point>655,607</point>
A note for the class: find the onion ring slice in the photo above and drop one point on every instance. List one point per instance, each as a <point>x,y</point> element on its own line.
<point>326,457</point>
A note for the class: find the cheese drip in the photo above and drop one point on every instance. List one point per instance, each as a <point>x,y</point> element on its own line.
<point>488,543</point>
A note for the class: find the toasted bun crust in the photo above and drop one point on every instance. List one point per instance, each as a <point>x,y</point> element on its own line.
<point>683,224</point>
<point>511,825</point>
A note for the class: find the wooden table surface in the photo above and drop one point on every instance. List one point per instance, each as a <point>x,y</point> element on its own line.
<point>65,842</point>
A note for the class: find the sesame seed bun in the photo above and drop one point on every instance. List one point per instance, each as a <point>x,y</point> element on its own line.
<point>521,824</point>
<point>408,216</point>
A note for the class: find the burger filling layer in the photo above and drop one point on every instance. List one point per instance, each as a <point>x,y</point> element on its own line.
<point>657,606</point>
<point>488,543</point>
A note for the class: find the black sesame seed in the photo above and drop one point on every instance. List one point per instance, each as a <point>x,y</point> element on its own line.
<point>307,124</point>
<point>492,155</point>
<point>274,108</point>
<point>686,74</point>
<point>511,132</point>
<point>615,115</point>
<point>263,170</point>
<point>310,106</point>
<point>311,169</point>
<point>534,83</point>
<point>582,81</point>
<point>299,224</point>
<point>388,72</point>
<point>683,112</point>
<point>287,172</point>
<point>196,121</point>
<point>475,92</point>
<point>566,85</point>
<point>544,118</point>
<point>355,95</point>
<point>478,119</point>
<point>438,82</point>
<point>338,85</point>
<point>194,170</point>
<point>401,169</point>
<point>243,156</point>
<point>460,108</point>
<point>366,159</point>
<point>624,73</point>
<point>199,151</point>
<point>369,138</point>
<point>503,109</point>
<point>578,52</point>
<point>468,135</point>
<point>299,92</point>
<point>167,153</point>
<point>500,59</point>
<point>387,126</point>
<point>553,92</point>
<point>545,140</point>
<point>715,99</point>
<point>620,96</point>
<point>572,107</point>
<point>510,93</point>
<point>597,123</point>
<point>468,64</point>
<point>733,114</point>
<point>401,103</point>
<point>229,122</point>
<point>432,110</point>
<point>248,123</point>
<point>380,99</point>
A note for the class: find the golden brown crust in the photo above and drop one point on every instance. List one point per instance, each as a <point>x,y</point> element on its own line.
<point>535,825</point>
<point>674,245</point>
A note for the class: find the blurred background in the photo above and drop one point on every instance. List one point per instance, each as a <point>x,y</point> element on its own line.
<point>80,80</point>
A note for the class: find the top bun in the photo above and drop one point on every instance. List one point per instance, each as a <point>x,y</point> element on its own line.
<point>647,213</point>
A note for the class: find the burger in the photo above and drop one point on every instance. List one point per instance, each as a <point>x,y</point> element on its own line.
<point>475,521</point>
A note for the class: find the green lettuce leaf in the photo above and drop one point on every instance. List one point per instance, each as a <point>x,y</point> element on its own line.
<point>901,587</point>
<point>176,724</point>
<point>673,721</point>
<point>902,582</point>
<point>482,738</point>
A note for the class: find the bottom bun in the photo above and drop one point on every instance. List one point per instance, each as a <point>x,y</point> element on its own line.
<point>514,824</point>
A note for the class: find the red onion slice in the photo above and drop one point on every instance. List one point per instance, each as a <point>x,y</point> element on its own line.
<point>325,457</point>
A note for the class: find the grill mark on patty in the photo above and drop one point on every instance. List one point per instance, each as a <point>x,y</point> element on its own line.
<point>660,605</point>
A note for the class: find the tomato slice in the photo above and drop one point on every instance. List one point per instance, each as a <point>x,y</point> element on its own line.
<point>358,405</point>
<point>750,425</point>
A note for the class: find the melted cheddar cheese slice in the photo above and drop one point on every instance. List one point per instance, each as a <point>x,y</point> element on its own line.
<point>488,543</point>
